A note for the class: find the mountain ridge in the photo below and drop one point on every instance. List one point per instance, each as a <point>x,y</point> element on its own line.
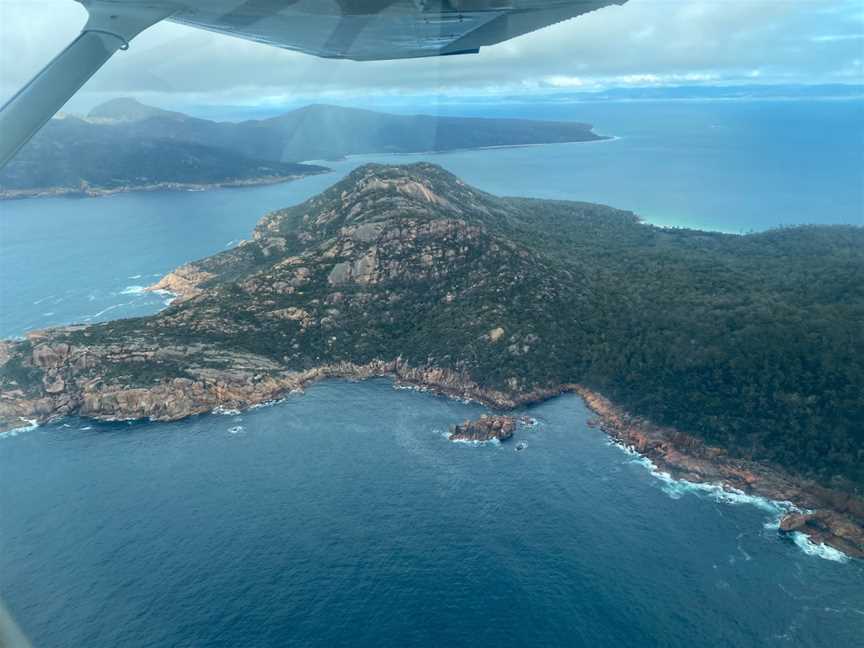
<point>734,351</point>
<point>324,131</point>
<point>125,145</point>
<point>130,109</point>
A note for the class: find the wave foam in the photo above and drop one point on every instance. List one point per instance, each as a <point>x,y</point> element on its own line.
<point>677,488</point>
<point>819,550</point>
<point>237,429</point>
<point>105,310</point>
<point>133,290</point>
<point>472,442</point>
<point>31,425</point>
<point>226,411</point>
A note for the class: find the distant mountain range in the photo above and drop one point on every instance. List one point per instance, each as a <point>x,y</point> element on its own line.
<point>750,92</point>
<point>125,145</point>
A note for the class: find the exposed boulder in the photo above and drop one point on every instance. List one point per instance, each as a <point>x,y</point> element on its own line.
<point>486,428</point>
<point>827,527</point>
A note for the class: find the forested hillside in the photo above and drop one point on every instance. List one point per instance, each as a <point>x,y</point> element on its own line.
<point>754,343</point>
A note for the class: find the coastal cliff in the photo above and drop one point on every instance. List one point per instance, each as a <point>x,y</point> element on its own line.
<point>409,272</point>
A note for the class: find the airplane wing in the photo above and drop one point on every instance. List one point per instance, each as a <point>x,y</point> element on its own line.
<point>363,30</point>
<point>366,30</point>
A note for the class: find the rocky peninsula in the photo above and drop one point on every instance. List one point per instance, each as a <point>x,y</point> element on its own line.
<point>670,336</point>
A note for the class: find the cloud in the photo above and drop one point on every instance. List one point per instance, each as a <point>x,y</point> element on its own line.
<point>831,38</point>
<point>641,42</point>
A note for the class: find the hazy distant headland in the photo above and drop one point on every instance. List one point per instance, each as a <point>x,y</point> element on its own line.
<point>124,145</point>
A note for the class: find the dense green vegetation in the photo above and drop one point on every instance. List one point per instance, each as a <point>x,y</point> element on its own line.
<point>126,143</point>
<point>754,343</point>
<point>72,154</point>
<point>319,132</point>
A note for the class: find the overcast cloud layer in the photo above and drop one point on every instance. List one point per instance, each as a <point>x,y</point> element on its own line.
<point>643,42</point>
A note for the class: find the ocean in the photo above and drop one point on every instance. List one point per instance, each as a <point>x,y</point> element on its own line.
<point>343,516</point>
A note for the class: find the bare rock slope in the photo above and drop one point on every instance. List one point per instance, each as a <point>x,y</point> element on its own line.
<point>746,344</point>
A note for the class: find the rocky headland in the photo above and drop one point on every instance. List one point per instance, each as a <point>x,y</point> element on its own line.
<point>410,273</point>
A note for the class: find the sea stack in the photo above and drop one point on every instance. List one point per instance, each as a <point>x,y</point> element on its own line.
<point>485,428</point>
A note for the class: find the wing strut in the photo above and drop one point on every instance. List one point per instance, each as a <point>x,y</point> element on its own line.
<point>108,29</point>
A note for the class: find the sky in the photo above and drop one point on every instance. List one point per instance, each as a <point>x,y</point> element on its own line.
<point>641,43</point>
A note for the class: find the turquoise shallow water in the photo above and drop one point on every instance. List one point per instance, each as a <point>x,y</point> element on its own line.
<point>343,516</point>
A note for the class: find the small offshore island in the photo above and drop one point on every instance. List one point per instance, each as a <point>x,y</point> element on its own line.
<point>488,428</point>
<point>725,359</point>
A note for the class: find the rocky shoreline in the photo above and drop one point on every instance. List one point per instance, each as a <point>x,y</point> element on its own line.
<point>827,516</point>
<point>400,271</point>
<point>87,191</point>
<point>251,380</point>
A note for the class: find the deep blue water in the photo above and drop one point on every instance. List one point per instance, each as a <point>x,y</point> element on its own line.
<point>343,516</point>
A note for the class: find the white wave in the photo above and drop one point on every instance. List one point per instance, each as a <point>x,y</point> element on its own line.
<point>86,427</point>
<point>134,276</point>
<point>676,488</point>
<point>446,434</point>
<point>49,314</point>
<point>171,296</point>
<point>237,429</point>
<point>626,449</point>
<point>722,493</point>
<point>472,442</point>
<point>226,411</point>
<point>31,425</point>
<point>105,310</point>
<point>275,401</point>
<point>133,290</point>
<point>409,387</point>
<point>423,389</point>
<point>803,541</point>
